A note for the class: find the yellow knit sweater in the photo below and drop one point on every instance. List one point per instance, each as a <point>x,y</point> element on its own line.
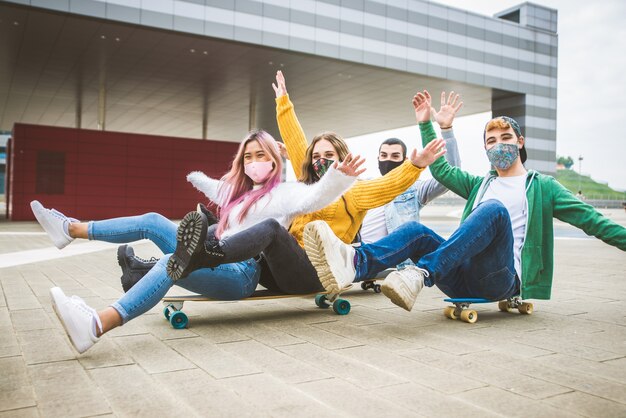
<point>346,214</point>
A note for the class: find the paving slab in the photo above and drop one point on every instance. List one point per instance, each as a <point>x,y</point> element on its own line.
<point>286,357</point>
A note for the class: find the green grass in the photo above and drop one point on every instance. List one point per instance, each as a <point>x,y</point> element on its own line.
<point>590,188</point>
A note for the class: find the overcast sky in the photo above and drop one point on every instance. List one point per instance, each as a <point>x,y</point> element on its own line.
<point>591,114</point>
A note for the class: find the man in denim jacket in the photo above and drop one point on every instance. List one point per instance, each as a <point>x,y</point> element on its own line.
<point>380,222</point>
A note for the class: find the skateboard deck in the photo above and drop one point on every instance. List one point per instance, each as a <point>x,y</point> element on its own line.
<point>461,305</point>
<point>178,319</point>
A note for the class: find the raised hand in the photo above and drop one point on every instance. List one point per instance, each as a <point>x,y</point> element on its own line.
<point>280,88</point>
<point>421,104</point>
<point>282,150</point>
<point>350,166</point>
<point>429,154</point>
<point>448,110</point>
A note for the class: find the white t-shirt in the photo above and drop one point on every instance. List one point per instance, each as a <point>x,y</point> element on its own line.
<point>374,225</point>
<point>511,192</point>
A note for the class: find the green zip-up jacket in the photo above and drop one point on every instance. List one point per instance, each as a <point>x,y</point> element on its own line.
<point>546,199</point>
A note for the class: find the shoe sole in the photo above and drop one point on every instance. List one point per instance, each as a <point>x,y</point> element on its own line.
<point>190,236</point>
<point>61,320</point>
<point>314,247</point>
<point>37,208</point>
<point>395,296</point>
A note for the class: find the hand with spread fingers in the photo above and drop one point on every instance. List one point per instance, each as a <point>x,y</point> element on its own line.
<point>280,88</point>
<point>429,154</point>
<point>350,165</point>
<point>448,110</point>
<point>421,104</point>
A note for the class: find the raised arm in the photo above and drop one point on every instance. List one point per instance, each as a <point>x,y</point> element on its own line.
<point>289,126</point>
<point>207,185</point>
<point>431,188</point>
<point>377,192</point>
<point>453,178</point>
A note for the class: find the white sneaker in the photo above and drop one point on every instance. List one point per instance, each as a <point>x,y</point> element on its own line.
<point>403,286</point>
<point>332,258</point>
<point>77,318</point>
<point>53,222</point>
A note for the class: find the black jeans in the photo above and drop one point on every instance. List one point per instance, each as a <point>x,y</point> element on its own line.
<point>285,265</point>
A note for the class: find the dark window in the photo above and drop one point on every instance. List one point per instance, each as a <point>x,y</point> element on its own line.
<point>50,172</point>
<point>513,16</point>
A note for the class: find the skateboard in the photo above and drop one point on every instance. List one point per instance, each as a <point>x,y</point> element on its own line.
<point>459,310</point>
<point>371,283</point>
<point>178,319</point>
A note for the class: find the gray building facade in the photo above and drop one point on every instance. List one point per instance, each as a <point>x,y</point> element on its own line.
<point>506,63</point>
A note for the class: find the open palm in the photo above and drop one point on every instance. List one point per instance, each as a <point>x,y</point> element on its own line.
<point>448,110</point>
<point>429,154</point>
<point>421,104</point>
<point>350,166</point>
<point>279,88</point>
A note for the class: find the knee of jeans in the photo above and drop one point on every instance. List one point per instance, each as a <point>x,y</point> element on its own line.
<point>495,207</point>
<point>413,226</point>
<point>272,224</point>
<point>153,218</point>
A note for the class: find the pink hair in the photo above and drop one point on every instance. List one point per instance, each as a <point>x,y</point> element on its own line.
<point>237,186</point>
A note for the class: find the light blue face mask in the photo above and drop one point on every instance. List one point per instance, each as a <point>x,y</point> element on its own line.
<point>503,156</point>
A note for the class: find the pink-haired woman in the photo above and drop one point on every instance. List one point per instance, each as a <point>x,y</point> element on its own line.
<point>249,193</point>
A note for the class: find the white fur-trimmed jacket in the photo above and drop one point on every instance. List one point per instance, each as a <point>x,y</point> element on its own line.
<point>282,203</point>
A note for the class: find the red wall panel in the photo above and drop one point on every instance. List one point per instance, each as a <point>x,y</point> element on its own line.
<point>110,174</point>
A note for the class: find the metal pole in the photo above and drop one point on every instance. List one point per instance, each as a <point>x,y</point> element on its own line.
<point>580,159</point>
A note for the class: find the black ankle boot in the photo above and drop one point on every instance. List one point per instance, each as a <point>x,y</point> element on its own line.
<point>213,255</point>
<point>133,267</point>
<point>194,249</point>
<point>210,216</point>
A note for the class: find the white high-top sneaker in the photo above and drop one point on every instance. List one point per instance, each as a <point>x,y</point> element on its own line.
<point>53,222</point>
<point>403,286</point>
<point>332,258</point>
<point>78,319</point>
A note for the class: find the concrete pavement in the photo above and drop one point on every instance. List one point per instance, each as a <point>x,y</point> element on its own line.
<point>286,357</point>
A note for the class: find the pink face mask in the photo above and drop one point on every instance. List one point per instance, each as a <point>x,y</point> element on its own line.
<point>259,171</point>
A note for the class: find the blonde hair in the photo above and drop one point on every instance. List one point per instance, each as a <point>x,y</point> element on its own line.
<point>497,123</point>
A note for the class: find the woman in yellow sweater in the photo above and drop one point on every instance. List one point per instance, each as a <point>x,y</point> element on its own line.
<point>288,268</point>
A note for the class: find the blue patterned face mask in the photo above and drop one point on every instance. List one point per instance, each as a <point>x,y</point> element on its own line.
<point>503,156</point>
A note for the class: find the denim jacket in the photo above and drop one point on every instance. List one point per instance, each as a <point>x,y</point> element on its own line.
<point>406,207</point>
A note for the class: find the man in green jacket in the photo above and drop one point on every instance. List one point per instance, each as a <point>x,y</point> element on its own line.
<point>506,231</point>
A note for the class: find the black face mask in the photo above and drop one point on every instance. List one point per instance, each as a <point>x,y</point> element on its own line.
<point>387,166</point>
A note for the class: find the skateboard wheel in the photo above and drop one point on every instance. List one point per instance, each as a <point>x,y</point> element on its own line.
<point>320,301</point>
<point>179,320</point>
<point>448,312</point>
<point>166,312</point>
<point>377,288</point>
<point>363,285</point>
<point>341,307</point>
<point>469,316</point>
<point>503,305</point>
<point>525,308</point>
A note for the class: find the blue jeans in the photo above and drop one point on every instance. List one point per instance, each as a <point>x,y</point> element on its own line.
<point>476,261</point>
<point>231,281</point>
<point>153,226</point>
<point>227,282</point>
